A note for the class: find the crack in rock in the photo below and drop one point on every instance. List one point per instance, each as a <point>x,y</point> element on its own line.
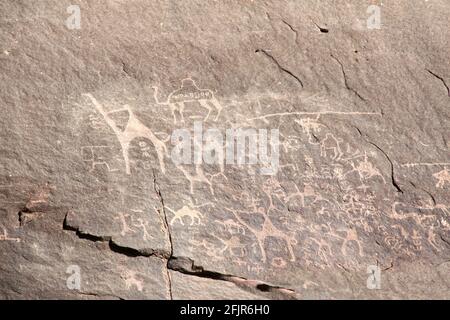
<point>167,228</point>
<point>291,28</point>
<point>393,180</point>
<point>441,79</point>
<point>187,266</point>
<point>321,29</point>
<point>127,251</point>
<point>346,80</point>
<point>279,66</point>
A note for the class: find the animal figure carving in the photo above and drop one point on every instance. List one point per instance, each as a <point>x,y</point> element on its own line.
<point>128,130</point>
<point>331,144</point>
<point>194,215</point>
<point>443,178</point>
<point>189,92</point>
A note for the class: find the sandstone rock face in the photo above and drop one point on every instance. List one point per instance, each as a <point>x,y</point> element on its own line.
<point>112,184</point>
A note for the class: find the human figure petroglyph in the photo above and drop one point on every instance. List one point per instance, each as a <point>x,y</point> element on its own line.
<point>188,211</point>
<point>143,225</point>
<point>189,92</point>
<point>267,230</point>
<point>310,127</point>
<point>6,237</point>
<point>131,130</point>
<point>432,239</point>
<point>366,170</point>
<point>130,278</point>
<point>443,177</point>
<point>125,228</point>
<point>331,144</point>
<point>97,156</point>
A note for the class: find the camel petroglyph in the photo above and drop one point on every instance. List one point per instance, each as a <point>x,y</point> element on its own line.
<point>133,129</point>
<point>189,92</point>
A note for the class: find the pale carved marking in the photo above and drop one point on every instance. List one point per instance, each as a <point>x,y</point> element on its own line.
<point>190,92</point>
<point>131,280</point>
<point>129,131</point>
<point>97,156</point>
<point>267,230</point>
<point>442,177</point>
<point>6,237</point>
<point>187,211</point>
<point>125,228</point>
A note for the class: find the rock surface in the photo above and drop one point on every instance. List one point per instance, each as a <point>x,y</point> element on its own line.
<point>359,206</point>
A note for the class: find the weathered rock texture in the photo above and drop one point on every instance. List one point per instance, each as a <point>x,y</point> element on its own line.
<point>87,178</point>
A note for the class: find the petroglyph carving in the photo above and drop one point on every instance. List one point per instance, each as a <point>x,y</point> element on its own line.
<point>367,170</point>
<point>443,177</point>
<point>95,122</point>
<point>189,92</point>
<point>267,230</point>
<point>233,245</point>
<point>232,226</point>
<point>310,127</point>
<point>350,236</point>
<point>127,131</point>
<point>188,211</point>
<point>125,228</point>
<point>199,176</point>
<point>143,225</point>
<point>401,211</point>
<point>308,192</point>
<point>317,114</point>
<point>97,156</point>
<point>130,278</point>
<point>331,144</point>
<point>323,249</point>
<point>5,237</point>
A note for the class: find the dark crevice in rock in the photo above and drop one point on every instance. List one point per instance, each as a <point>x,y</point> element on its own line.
<point>441,79</point>
<point>321,29</point>
<point>389,267</point>
<point>187,266</point>
<point>279,66</point>
<point>346,79</point>
<point>291,28</point>
<point>167,228</point>
<point>393,180</point>
<point>126,69</point>
<point>446,241</point>
<point>127,251</point>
